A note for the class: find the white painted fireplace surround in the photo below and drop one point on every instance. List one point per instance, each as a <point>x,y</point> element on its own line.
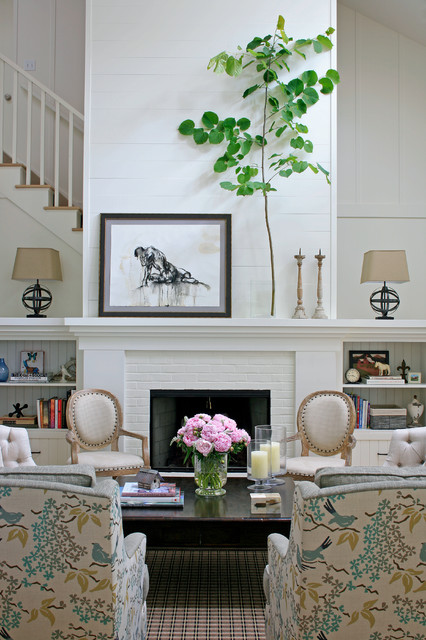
<point>291,358</point>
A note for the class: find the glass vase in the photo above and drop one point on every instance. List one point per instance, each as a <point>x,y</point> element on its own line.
<point>210,474</point>
<point>4,371</point>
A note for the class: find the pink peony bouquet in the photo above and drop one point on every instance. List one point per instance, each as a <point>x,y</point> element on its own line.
<point>203,436</point>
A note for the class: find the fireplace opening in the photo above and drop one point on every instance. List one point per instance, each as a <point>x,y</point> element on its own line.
<point>168,409</point>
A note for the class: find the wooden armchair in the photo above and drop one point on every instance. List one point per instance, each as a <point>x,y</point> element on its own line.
<point>94,420</point>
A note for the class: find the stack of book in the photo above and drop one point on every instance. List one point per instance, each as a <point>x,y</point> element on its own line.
<point>362,408</point>
<point>383,380</point>
<point>166,495</point>
<point>28,422</point>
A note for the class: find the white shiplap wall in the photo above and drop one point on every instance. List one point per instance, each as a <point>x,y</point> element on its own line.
<point>145,73</point>
<point>381,159</point>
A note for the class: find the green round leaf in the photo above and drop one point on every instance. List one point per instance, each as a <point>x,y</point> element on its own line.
<point>308,146</point>
<point>327,85</point>
<point>233,66</point>
<point>200,136</point>
<point>186,127</point>
<point>333,75</point>
<point>250,90</point>
<point>310,96</point>
<point>326,42</point>
<point>209,119</point>
<point>243,123</point>
<point>220,166</point>
<point>310,78</point>
<point>296,86</point>
<point>297,143</point>
<point>245,147</point>
<point>216,137</point>
<point>228,186</point>
<point>300,167</point>
<point>317,46</point>
<point>270,75</point>
<point>229,123</point>
<point>233,148</point>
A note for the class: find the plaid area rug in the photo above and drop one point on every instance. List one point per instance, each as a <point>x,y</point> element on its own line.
<point>199,594</point>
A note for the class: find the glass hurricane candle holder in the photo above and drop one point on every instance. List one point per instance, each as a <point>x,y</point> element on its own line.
<point>277,449</point>
<point>258,465</point>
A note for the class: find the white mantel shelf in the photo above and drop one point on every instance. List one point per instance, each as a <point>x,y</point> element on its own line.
<point>148,332</point>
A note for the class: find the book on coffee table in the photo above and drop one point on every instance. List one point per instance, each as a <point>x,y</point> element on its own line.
<point>176,501</point>
<point>166,491</point>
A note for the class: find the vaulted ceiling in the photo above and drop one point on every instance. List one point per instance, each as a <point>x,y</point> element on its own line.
<point>404,16</point>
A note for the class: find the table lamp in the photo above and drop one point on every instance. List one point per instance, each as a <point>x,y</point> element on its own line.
<point>384,266</point>
<point>37,264</point>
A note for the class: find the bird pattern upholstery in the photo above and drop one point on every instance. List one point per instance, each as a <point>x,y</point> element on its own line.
<point>66,570</point>
<point>354,565</point>
<point>15,447</point>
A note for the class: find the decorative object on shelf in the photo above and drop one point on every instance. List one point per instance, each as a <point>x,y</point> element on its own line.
<point>18,410</point>
<point>414,377</point>
<point>319,312</point>
<point>299,311</point>
<point>415,411</point>
<point>165,265</point>
<point>274,98</point>
<point>404,369</point>
<point>369,363</point>
<point>384,266</point>
<point>37,264</point>
<point>353,375</point>
<point>67,372</point>
<point>4,371</point>
<point>259,465</point>
<point>208,441</point>
<point>149,479</point>
<point>32,362</point>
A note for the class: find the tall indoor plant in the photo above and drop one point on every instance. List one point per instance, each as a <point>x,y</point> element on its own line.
<point>279,148</point>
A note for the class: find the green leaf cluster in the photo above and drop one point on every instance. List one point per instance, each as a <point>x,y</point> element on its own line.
<point>285,102</point>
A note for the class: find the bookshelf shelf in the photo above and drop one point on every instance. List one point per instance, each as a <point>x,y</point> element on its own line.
<point>24,385</point>
<point>364,387</point>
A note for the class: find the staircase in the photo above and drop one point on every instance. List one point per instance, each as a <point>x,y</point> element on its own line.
<point>41,148</point>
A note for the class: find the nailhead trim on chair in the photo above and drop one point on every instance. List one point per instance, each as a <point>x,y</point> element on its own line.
<point>311,444</point>
<point>106,441</point>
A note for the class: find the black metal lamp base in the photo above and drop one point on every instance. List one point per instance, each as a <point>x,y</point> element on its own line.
<point>36,299</point>
<point>384,301</point>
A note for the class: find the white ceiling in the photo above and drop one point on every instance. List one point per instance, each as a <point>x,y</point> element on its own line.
<point>407,17</point>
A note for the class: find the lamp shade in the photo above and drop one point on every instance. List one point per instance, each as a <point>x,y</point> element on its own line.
<point>37,264</point>
<point>385,266</point>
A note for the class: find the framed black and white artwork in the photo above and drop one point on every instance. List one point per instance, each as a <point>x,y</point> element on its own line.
<point>165,265</point>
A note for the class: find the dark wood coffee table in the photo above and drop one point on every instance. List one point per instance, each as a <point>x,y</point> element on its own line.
<point>223,521</point>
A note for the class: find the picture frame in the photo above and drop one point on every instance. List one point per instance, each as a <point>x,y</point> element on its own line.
<point>165,265</point>
<point>32,362</point>
<point>414,377</point>
<point>365,362</point>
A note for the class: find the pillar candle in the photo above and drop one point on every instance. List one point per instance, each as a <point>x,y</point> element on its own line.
<point>259,464</point>
<point>266,446</point>
<point>275,457</point>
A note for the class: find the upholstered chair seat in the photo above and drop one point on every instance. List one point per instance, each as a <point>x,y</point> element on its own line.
<point>94,420</point>
<point>15,447</point>
<point>407,448</point>
<point>325,424</point>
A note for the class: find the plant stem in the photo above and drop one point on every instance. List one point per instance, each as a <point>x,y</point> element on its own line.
<point>265,199</point>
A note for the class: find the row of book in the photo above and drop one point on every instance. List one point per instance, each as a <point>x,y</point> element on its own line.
<point>167,494</point>
<point>51,412</point>
<point>383,380</point>
<point>362,408</point>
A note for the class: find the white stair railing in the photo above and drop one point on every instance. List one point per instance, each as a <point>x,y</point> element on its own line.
<point>50,145</point>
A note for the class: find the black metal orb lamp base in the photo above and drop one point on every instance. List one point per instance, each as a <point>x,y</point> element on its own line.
<point>384,301</point>
<point>37,299</point>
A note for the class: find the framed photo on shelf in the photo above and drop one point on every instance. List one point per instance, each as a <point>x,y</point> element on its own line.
<point>165,265</point>
<point>370,363</point>
<point>414,377</point>
<point>32,362</point>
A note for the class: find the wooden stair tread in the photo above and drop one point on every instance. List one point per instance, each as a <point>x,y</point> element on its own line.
<point>33,186</point>
<point>12,164</point>
<point>62,209</point>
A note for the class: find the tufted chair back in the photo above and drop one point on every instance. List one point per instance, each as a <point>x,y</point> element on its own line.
<point>15,448</point>
<point>94,420</point>
<point>407,448</point>
<point>325,424</point>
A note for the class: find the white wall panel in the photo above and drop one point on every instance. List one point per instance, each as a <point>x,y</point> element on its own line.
<point>140,91</point>
<point>381,133</point>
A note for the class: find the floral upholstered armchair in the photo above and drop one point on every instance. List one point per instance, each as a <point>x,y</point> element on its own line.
<point>354,566</point>
<point>66,571</point>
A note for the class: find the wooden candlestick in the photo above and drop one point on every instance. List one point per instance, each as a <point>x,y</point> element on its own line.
<point>319,311</point>
<point>299,311</point>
